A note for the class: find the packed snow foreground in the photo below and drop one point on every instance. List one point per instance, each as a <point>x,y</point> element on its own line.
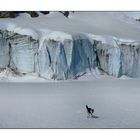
<point>55,47</point>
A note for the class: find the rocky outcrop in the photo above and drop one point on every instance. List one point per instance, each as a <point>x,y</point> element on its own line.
<point>14,14</point>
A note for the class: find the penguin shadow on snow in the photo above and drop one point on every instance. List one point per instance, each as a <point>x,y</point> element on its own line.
<point>95,117</point>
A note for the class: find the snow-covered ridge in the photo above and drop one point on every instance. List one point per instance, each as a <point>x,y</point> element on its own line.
<point>56,47</point>
<point>101,23</point>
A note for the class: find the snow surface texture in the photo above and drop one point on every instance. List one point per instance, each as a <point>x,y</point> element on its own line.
<point>62,104</point>
<point>56,47</point>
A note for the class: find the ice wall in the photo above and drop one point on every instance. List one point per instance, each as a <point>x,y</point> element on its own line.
<point>67,58</point>
<point>108,58</point>
<point>123,59</point>
<point>4,50</point>
<point>52,60</point>
<point>83,55</point>
<point>130,60</point>
<point>23,53</point>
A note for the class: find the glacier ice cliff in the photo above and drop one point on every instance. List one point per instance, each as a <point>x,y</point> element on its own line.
<point>130,60</point>
<point>4,50</point>
<point>108,58</point>
<point>83,55</point>
<point>63,60</point>
<point>67,58</point>
<point>123,59</point>
<point>52,60</point>
<point>23,53</point>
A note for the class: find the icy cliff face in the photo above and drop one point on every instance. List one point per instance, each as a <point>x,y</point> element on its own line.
<point>63,58</point>
<point>122,59</point>
<point>83,55</point>
<point>130,60</point>
<point>53,59</point>
<point>23,53</point>
<point>67,59</point>
<point>4,50</point>
<point>108,58</point>
<point>55,47</point>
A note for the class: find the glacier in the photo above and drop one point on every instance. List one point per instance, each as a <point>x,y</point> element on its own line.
<point>130,60</point>
<point>67,58</point>
<point>53,60</point>
<point>4,53</point>
<point>108,58</point>
<point>54,50</point>
<point>23,51</point>
<point>123,59</point>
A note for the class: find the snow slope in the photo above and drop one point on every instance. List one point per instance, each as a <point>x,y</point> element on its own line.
<point>103,23</point>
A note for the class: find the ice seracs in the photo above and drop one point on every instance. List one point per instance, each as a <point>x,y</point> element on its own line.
<point>130,60</point>
<point>56,47</point>
<point>108,59</point>
<point>65,58</point>
<point>4,50</point>
<point>23,53</point>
